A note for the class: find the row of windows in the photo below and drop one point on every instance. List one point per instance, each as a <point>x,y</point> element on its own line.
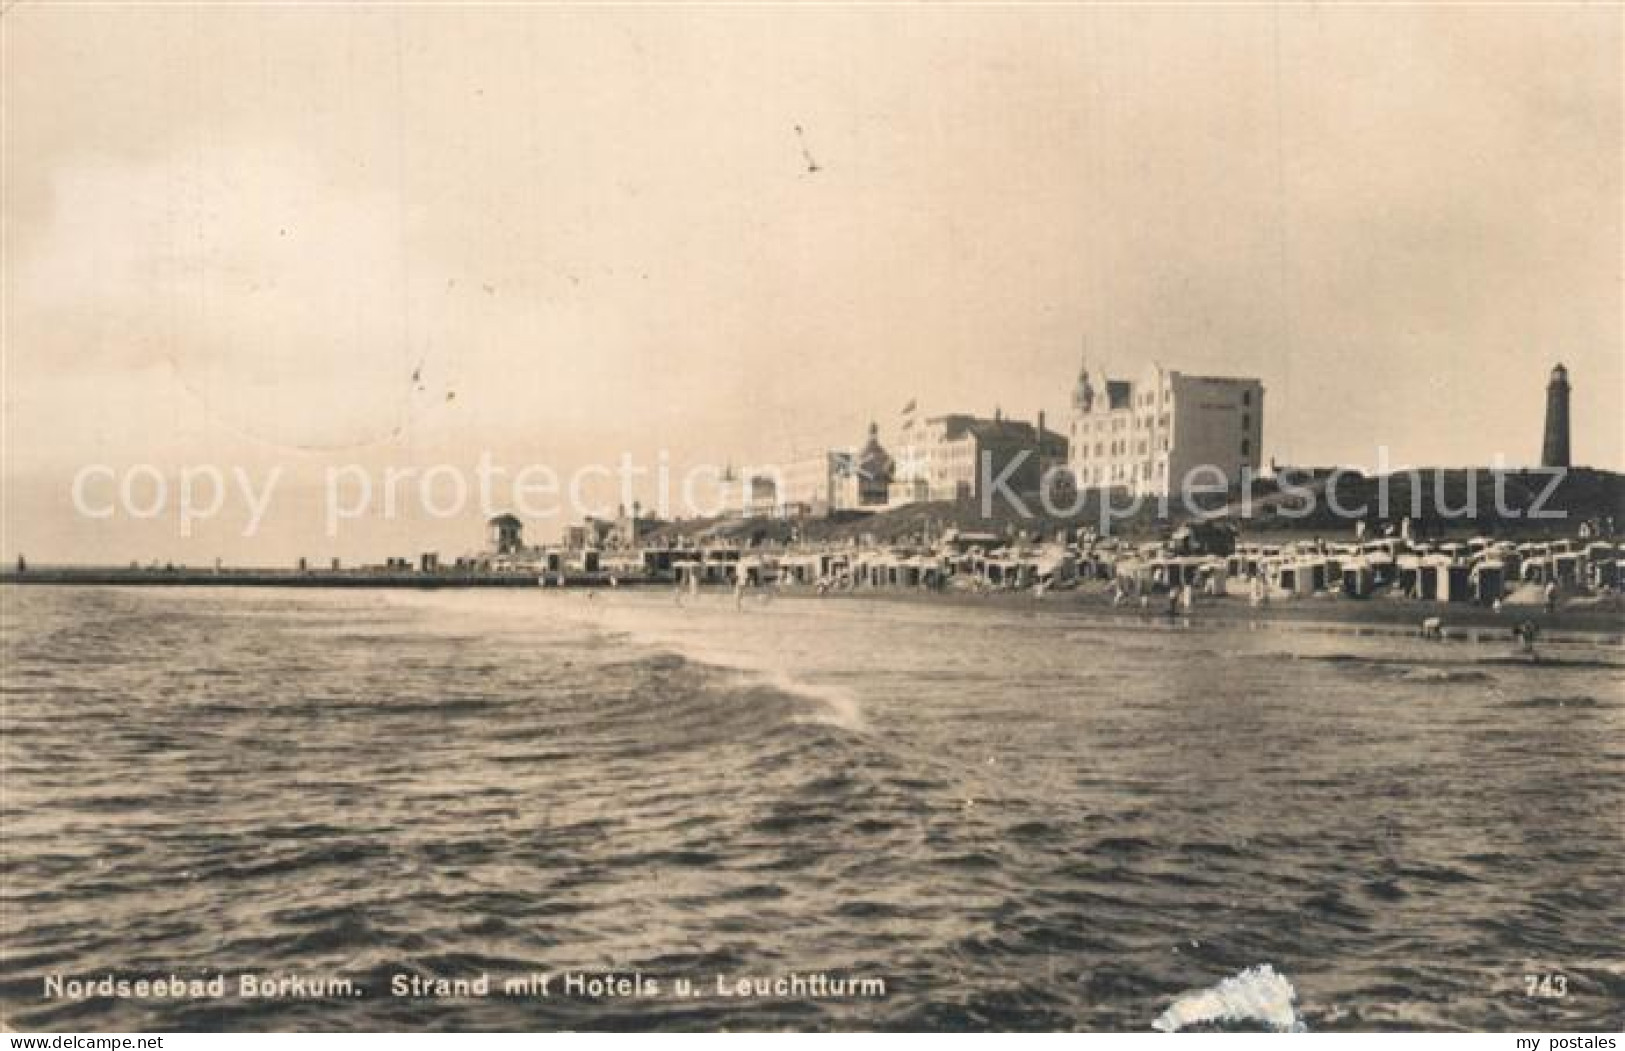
<point>1145,422</point>
<point>1122,472</point>
<point>1120,448</point>
<point>1118,423</point>
<point>1148,399</point>
<point>1115,473</point>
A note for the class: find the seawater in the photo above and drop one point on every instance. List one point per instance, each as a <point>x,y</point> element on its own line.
<point>1017,819</point>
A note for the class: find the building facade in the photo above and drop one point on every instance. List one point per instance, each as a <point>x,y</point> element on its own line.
<point>807,484</point>
<point>863,479</point>
<point>506,534</point>
<point>758,497</point>
<point>829,481</point>
<point>1149,434</point>
<point>959,456</point>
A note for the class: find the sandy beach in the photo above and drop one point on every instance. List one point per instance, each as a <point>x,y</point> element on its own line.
<point>1389,614</point>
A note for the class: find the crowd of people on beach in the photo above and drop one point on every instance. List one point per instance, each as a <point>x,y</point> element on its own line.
<point>1178,575</point>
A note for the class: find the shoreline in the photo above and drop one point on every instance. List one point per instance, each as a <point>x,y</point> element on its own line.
<point>278,578</point>
<point>1597,622</point>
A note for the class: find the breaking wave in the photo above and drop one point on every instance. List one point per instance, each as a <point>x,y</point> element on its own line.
<point>1259,995</point>
<point>712,643</point>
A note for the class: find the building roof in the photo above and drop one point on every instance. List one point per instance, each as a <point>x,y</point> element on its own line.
<point>1014,432</point>
<point>954,425</point>
<point>1006,430</point>
<point>505,520</point>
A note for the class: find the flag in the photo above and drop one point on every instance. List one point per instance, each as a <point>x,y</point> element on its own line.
<point>909,407</point>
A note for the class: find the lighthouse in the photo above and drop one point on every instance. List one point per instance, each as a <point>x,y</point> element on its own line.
<point>1555,451</point>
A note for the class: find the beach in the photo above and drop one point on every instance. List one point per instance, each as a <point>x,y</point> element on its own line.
<point>1597,622</point>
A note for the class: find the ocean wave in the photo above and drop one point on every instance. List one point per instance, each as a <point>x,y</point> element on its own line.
<point>1577,701</point>
<point>734,666</point>
<point>1019,826</point>
<point>1259,995</point>
<point>1445,676</point>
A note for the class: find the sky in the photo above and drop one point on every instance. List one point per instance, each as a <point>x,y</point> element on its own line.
<point>316,239</point>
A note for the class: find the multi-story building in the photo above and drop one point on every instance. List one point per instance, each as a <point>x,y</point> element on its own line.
<point>1148,435</point>
<point>958,456</point>
<point>807,484</point>
<point>863,479</point>
<point>833,480</point>
<point>623,532</point>
<point>756,496</point>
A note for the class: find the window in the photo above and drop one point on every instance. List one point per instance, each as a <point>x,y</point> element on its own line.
<point>1246,447</point>
<point>1246,422</point>
<point>1246,397</point>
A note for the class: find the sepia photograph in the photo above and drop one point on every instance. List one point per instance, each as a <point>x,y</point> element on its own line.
<point>791,518</point>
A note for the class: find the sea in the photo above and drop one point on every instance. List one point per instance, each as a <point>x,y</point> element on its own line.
<point>628,809</point>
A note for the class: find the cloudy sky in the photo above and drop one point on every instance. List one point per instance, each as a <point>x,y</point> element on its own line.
<point>401,236</point>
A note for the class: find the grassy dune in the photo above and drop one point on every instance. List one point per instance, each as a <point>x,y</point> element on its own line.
<point>1438,498</point>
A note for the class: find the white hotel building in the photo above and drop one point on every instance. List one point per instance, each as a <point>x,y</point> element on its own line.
<point>1146,435</point>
